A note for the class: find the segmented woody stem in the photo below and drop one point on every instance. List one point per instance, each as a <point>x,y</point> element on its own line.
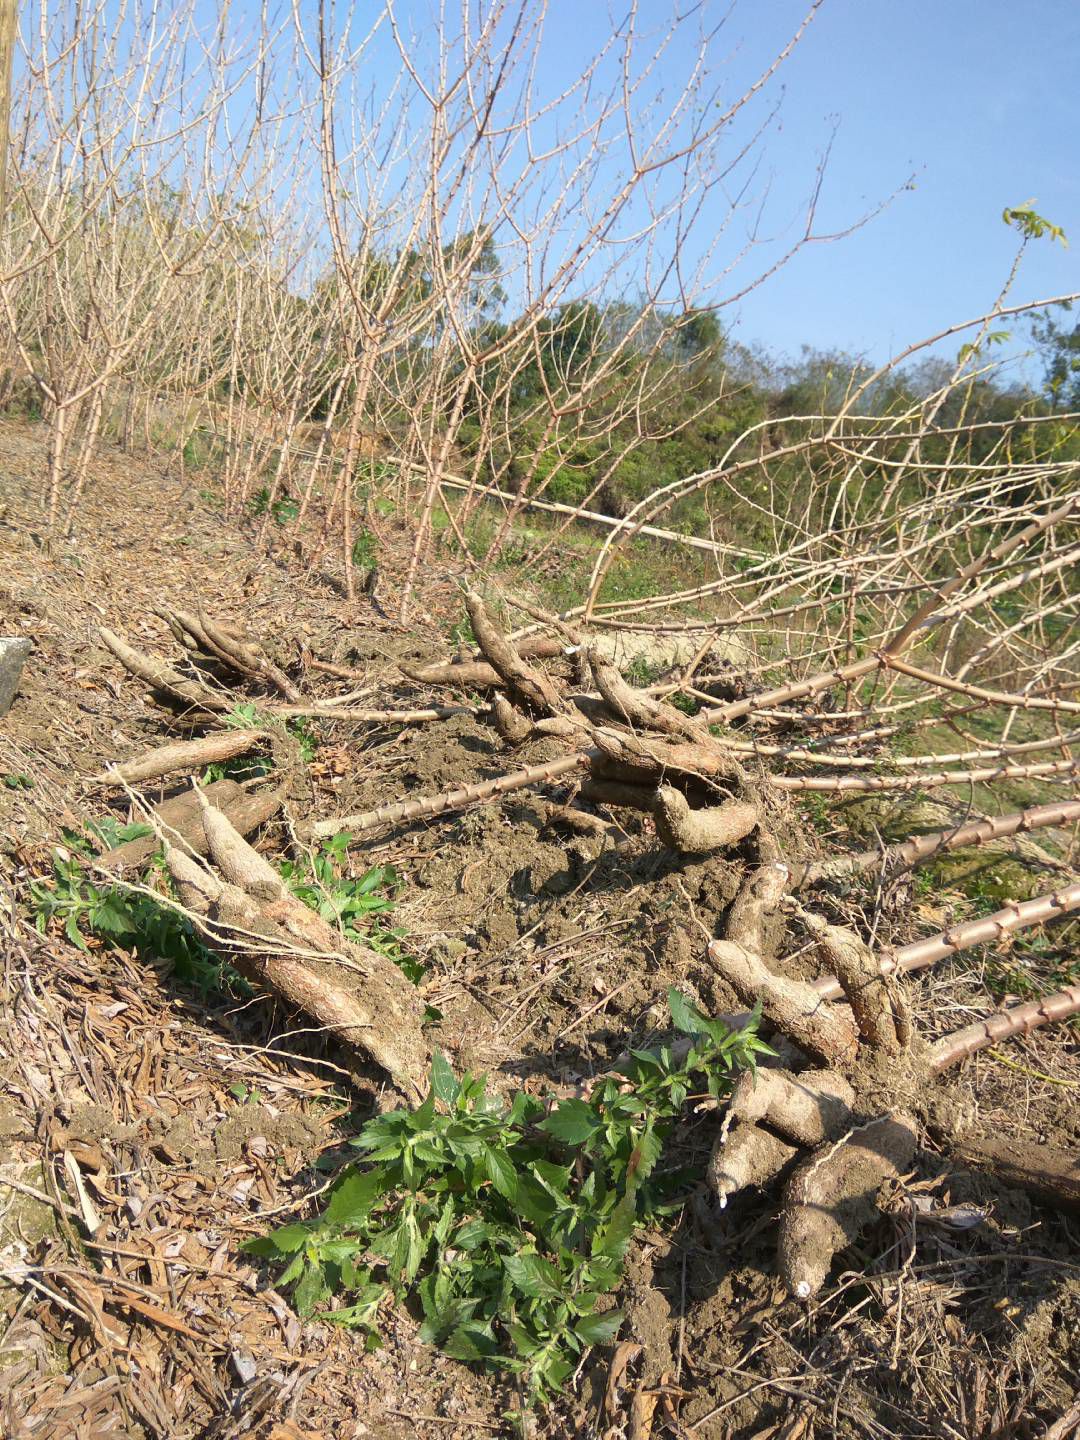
<point>1004,1026</point>
<point>1017,915</point>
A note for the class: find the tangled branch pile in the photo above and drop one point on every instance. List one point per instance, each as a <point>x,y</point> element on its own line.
<point>710,784</point>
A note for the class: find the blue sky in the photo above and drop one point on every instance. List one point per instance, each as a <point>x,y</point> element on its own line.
<point>979,100</point>
<point>976,100</point>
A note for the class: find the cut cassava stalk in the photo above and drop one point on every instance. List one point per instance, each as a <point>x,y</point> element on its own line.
<point>162,678</point>
<point>996,1029</point>
<point>451,799</point>
<point>988,929</point>
<point>357,995</point>
<point>924,780</point>
<point>182,758</point>
<point>924,847</point>
<point>181,819</point>
<point>647,761</point>
<point>979,692</point>
<point>327,710</point>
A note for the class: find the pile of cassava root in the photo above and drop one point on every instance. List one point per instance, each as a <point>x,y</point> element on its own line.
<point>844,1110</point>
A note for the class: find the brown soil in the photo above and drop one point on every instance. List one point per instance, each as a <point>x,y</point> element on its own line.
<point>168,1125</point>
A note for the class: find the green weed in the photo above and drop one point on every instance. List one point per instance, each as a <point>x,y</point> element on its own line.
<point>686,703</point>
<point>118,916</point>
<point>248,716</point>
<point>461,633</point>
<point>365,551</point>
<point>507,1223</point>
<point>642,671</point>
<point>353,905</point>
<point>283,509</point>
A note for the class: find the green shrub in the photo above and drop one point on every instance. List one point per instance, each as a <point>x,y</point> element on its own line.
<point>507,1223</point>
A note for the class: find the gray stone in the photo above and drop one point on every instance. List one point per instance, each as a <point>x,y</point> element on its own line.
<point>13,653</point>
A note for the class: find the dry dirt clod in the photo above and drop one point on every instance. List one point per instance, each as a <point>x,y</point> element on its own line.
<point>13,653</point>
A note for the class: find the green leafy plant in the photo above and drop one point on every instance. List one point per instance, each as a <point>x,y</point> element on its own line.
<point>507,1223</point>
<point>1031,225</point>
<point>248,716</point>
<point>283,509</point>
<point>642,671</point>
<point>461,632</point>
<point>353,904</point>
<point>240,767</point>
<point>365,551</point>
<point>116,915</point>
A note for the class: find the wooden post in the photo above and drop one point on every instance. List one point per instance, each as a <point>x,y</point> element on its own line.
<point>9,26</point>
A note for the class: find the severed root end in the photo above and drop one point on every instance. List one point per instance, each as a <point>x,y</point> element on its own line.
<point>697,831</point>
<point>746,1156</point>
<point>511,725</point>
<point>832,1198</point>
<point>798,1111</point>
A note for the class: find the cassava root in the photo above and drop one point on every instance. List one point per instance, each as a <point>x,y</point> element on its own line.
<point>357,995</point>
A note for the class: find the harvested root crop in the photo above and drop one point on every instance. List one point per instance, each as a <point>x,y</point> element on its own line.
<point>840,1117</point>
<point>180,821</point>
<point>194,699</point>
<point>182,758</point>
<point>223,643</point>
<point>832,1197</point>
<point>246,912</point>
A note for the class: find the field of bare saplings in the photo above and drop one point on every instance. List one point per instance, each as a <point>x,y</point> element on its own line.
<point>538,880</point>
